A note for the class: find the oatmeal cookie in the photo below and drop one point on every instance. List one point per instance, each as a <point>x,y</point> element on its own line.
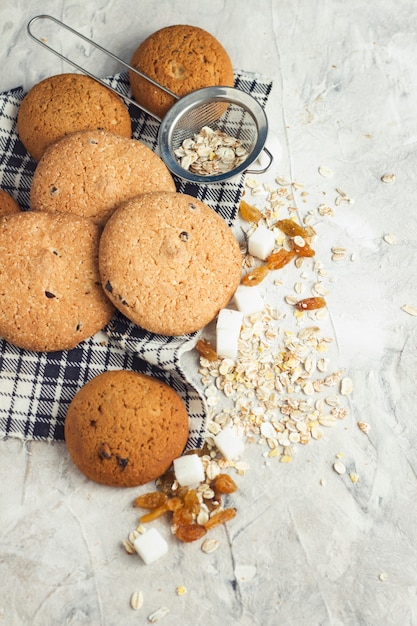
<point>169,262</point>
<point>91,172</point>
<point>8,204</point>
<point>124,428</point>
<point>67,103</point>
<point>182,58</point>
<point>50,294</point>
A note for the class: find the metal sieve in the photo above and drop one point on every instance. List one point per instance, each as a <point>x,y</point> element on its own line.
<point>223,109</point>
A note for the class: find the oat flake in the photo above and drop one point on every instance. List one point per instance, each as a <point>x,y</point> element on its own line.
<point>136,600</point>
<point>388,178</point>
<point>346,386</point>
<point>364,427</point>
<point>390,238</point>
<point>157,615</point>
<point>409,308</point>
<point>339,467</point>
<point>326,172</point>
<point>209,545</point>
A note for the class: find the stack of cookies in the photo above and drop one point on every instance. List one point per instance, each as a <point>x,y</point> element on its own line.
<point>107,230</point>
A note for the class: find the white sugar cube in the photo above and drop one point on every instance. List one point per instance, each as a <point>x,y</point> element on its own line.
<point>229,323</point>
<point>229,319</point>
<point>189,470</point>
<point>226,345</point>
<point>150,546</point>
<point>261,242</point>
<point>248,299</point>
<point>229,443</point>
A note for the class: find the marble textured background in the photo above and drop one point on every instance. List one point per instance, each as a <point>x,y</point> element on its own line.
<point>299,552</point>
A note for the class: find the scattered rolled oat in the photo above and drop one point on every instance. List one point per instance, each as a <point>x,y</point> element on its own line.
<point>388,178</point>
<point>339,467</point>
<point>346,386</point>
<point>325,210</point>
<point>282,181</point>
<point>157,615</point>
<point>342,197</point>
<point>129,547</point>
<point>251,183</point>
<point>136,600</point>
<point>383,576</point>
<point>326,172</point>
<point>338,253</point>
<point>390,238</point>
<point>364,427</point>
<point>320,289</point>
<point>209,545</point>
<point>410,309</point>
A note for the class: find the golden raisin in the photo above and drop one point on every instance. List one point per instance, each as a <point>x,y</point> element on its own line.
<point>190,532</point>
<point>278,259</point>
<point>308,304</point>
<point>154,514</point>
<point>254,277</point>
<point>305,250</point>
<point>191,501</point>
<point>206,350</point>
<point>151,500</point>
<point>248,212</point>
<point>173,504</point>
<point>224,483</point>
<point>220,518</point>
<point>291,228</point>
<point>182,517</point>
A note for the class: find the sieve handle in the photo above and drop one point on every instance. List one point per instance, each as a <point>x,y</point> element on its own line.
<point>43,43</point>
<point>267,166</point>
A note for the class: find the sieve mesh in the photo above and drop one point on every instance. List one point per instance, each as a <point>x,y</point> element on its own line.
<point>235,121</point>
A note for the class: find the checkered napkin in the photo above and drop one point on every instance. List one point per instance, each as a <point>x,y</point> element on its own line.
<point>36,388</point>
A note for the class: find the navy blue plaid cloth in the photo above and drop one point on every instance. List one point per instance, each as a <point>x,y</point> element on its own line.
<point>36,388</point>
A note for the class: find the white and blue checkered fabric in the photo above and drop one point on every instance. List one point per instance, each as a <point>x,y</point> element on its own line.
<point>36,388</point>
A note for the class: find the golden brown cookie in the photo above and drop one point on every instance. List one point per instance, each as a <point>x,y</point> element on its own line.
<point>90,173</point>
<point>8,204</point>
<point>182,58</point>
<point>169,262</point>
<point>50,292</point>
<point>124,428</point>
<point>67,103</point>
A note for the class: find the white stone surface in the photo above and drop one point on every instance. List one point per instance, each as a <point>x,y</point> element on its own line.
<point>307,547</point>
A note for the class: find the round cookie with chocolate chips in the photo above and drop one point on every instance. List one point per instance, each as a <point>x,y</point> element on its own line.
<point>50,292</point>
<point>169,262</point>
<point>67,103</point>
<point>182,58</point>
<point>125,429</point>
<point>8,204</point>
<point>91,172</point>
